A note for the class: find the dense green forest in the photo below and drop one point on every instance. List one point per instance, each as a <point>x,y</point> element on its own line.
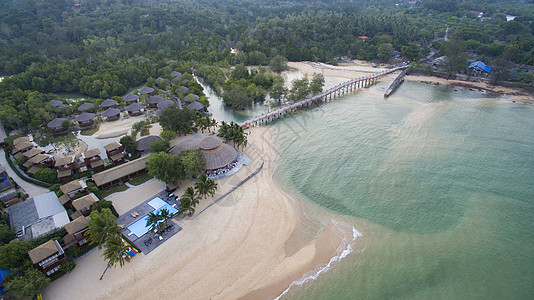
<point>101,48</point>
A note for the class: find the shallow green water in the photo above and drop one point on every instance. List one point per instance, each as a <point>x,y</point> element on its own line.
<point>442,182</point>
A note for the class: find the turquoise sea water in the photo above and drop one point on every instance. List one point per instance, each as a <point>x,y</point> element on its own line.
<point>440,182</point>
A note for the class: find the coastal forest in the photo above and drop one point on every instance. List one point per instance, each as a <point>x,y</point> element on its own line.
<point>102,48</point>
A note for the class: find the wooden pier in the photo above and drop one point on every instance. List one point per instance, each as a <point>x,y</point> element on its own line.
<point>396,83</point>
<point>338,90</point>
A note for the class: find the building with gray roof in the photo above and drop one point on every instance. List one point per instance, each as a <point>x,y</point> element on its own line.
<point>37,216</point>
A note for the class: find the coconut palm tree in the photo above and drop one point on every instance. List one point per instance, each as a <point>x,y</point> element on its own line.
<point>152,220</point>
<point>165,215</point>
<point>212,187</point>
<point>113,250</point>
<point>188,201</point>
<point>101,225</point>
<point>202,185</point>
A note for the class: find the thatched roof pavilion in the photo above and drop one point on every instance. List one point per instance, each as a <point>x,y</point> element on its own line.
<point>135,109</point>
<point>85,118</point>
<point>191,98</point>
<point>184,89</point>
<point>216,153</point>
<point>55,103</point>
<point>176,74</point>
<point>108,103</point>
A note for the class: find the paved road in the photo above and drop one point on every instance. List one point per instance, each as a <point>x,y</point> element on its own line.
<point>30,188</point>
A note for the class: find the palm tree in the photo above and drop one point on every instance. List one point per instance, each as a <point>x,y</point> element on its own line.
<point>165,215</point>
<point>152,220</point>
<point>114,249</point>
<point>101,225</point>
<point>188,201</point>
<point>212,187</point>
<point>202,185</point>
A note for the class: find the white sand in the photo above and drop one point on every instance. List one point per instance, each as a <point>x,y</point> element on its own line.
<point>234,249</point>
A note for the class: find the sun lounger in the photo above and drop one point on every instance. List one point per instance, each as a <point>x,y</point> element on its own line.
<point>133,214</point>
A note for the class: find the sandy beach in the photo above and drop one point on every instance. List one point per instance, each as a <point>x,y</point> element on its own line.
<point>235,249</point>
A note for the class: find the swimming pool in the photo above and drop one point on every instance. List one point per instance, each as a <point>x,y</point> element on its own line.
<point>139,228</point>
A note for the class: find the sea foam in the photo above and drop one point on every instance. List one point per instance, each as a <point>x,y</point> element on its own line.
<point>346,249</point>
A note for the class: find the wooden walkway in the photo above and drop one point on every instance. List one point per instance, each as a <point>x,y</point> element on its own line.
<point>396,83</point>
<point>338,90</point>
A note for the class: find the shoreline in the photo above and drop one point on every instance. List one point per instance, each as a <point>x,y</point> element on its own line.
<point>235,249</point>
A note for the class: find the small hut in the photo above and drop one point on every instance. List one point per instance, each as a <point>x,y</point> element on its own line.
<point>154,100</point>
<point>165,104</point>
<point>85,119</point>
<point>146,90</point>
<point>143,144</point>
<point>130,98</point>
<point>111,114</point>
<point>135,109</point>
<point>55,103</point>
<point>176,74</point>
<point>197,106</point>
<point>184,90</point>
<point>191,98</point>
<point>108,103</point>
<point>56,125</point>
<point>86,106</point>
<point>115,152</point>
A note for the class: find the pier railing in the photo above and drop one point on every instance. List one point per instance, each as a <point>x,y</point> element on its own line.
<point>338,90</point>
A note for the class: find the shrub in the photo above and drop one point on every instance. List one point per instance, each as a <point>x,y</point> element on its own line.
<point>47,175</point>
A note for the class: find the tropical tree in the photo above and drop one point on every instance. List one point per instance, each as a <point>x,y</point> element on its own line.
<point>113,250</point>
<point>25,287</point>
<point>102,225</point>
<point>153,221</point>
<point>165,167</point>
<point>205,186</point>
<point>188,201</point>
<point>165,216</point>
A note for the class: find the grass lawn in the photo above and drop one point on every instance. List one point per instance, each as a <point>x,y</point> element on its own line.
<point>114,189</point>
<point>89,131</point>
<point>140,179</point>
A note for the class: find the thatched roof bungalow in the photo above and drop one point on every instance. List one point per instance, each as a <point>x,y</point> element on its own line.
<point>86,106</point>
<point>176,74</point>
<point>165,104</point>
<point>111,114</point>
<point>130,98</point>
<point>154,100</point>
<point>143,144</point>
<point>56,125</point>
<point>135,109</point>
<point>197,106</point>
<point>146,90</point>
<point>85,119</point>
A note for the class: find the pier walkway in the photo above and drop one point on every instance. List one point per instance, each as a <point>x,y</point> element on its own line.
<point>338,90</point>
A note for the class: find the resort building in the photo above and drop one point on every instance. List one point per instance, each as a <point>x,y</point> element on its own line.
<point>66,166</point>
<point>37,216</point>
<point>135,109</point>
<point>196,106</point>
<point>70,190</point>
<point>115,152</point>
<point>143,144</point>
<point>84,204</point>
<point>76,231</point>
<point>93,160</point>
<point>56,125</point>
<point>191,98</point>
<point>217,154</point>
<point>154,100</point>
<point>8,190</point>
<point>121,173</point>
<point>21,145</point>
<point>48,257</point>
<point>146,90</point>
<point>85,119</point>
<point>130,98</point>
<point>86,106</point>
<point>108,103</point>
<point>37,162</point>
<point>165,104</point>
<point>111,114</point>
<point>184,90</point>
<point>32,152</point>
